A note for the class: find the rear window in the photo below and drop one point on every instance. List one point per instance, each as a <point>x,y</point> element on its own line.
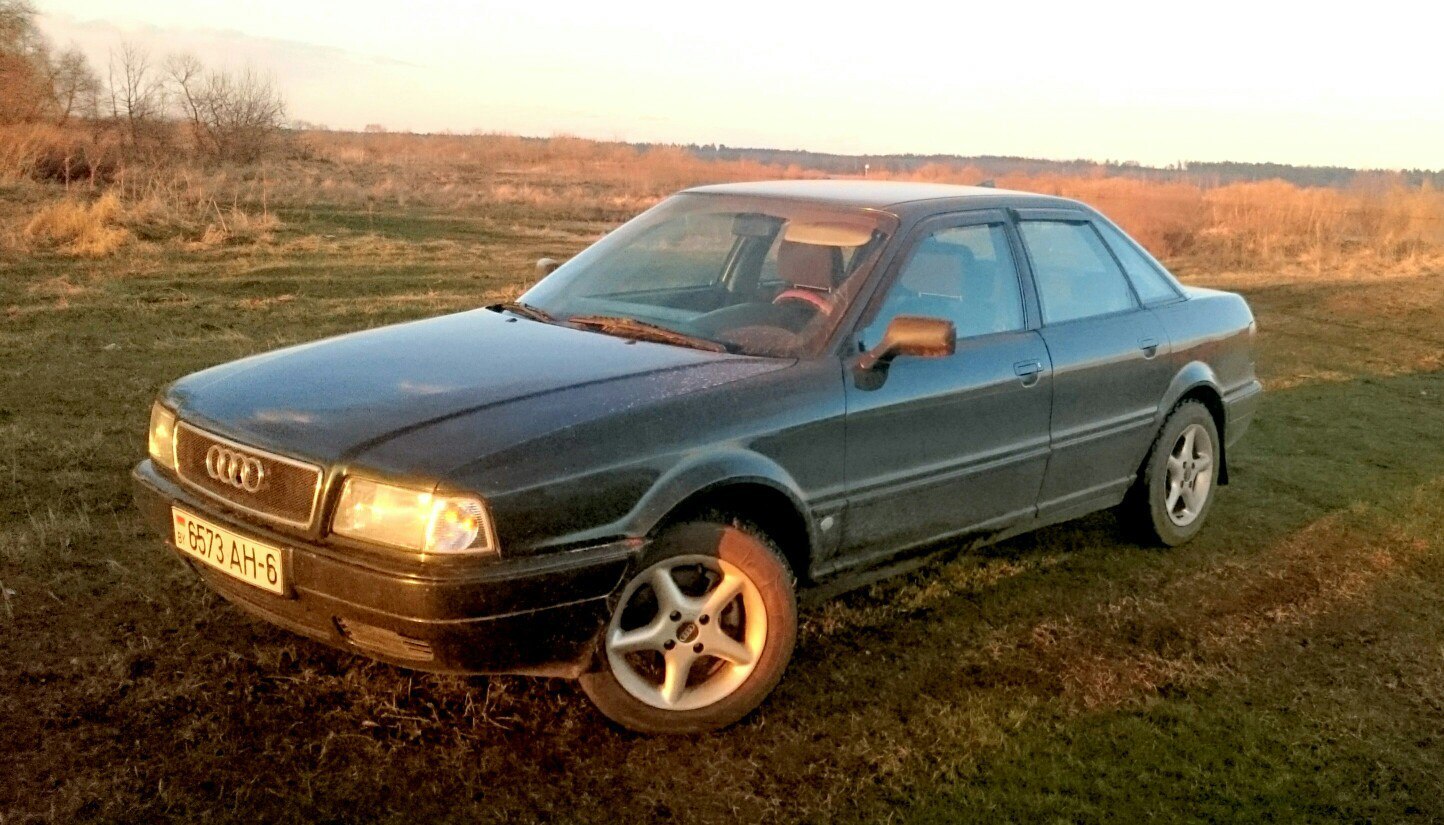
<point>1153,285</point>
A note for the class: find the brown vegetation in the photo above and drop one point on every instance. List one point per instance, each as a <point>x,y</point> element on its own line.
<point>171,141</point>
<point>1230,226</point>
<point>86,229</point>
<point>37,83</point>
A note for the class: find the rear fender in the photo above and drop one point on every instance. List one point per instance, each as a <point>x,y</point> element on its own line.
<point>1198,379</point>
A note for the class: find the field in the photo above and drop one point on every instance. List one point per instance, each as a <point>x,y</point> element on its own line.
<point>1288,665</point>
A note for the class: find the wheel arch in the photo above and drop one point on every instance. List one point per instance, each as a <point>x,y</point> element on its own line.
<point>741,485</point>
<point>1197,382</point>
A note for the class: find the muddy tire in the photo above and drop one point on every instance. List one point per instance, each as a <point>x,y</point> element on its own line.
<point>700,635</point>
<point>1179,480</point>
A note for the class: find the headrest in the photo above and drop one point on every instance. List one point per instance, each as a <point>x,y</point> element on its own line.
<point>937,269</point>
<point>809,265</point>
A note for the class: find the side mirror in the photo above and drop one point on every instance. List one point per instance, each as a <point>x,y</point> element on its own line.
<point>546,266</point>
<point>912,335</point>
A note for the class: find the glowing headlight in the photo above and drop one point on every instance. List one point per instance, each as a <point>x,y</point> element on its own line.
<point>162,436</point>
<point>412,519</point>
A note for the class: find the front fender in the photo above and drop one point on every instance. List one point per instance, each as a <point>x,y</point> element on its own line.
<point>713,469</point>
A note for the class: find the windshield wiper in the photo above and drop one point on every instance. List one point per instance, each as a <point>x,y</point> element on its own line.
<point>524,310</point>
<point>641,330</point>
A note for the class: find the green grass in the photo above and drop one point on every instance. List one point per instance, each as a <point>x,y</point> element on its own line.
<point>1286,666</point>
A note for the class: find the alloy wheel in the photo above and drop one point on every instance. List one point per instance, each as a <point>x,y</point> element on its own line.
<point>687,632</point>
<point>1190,475</point>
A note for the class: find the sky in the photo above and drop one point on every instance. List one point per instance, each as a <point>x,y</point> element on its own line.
<point>1313,84</point>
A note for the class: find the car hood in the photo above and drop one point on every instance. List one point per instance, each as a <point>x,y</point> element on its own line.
<point>339,399</point>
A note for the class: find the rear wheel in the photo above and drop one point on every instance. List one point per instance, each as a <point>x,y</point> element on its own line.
<point>700,635</point>
<point>1176,490</point>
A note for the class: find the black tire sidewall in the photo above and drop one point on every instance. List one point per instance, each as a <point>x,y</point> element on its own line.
<point>760,561</point>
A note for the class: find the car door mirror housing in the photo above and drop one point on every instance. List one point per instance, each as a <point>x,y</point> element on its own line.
<point>912,335</point>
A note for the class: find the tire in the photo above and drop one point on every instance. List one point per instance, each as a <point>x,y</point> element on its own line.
<point>1174,492</point>
<point>730,650</point>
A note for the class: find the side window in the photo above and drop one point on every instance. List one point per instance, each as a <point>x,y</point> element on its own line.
<point>1152,284</point>
<point>1076,276</point>
<point>964,274</point>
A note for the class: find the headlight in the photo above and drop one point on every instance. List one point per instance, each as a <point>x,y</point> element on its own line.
<point>413,519</point>
<point>162,436</point>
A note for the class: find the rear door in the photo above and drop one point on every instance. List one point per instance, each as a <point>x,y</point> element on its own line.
<point>941,446</point>
<point>1110,362</point>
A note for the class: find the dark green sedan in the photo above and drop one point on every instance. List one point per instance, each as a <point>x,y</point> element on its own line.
<point>624,476</point>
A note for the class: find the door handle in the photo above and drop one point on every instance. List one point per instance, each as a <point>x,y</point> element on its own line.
<point>1028,371</point>
<point>1149,346</point>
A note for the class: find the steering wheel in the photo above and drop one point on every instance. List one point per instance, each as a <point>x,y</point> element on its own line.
<point>817,301</point>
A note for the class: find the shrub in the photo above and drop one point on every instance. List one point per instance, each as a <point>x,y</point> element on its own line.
<point>90,230</point>
<point>64,155</point>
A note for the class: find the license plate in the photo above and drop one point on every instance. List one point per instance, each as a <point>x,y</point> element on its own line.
<point>235,555</point>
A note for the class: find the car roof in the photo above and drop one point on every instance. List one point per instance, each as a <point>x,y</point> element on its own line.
<point>888,195</point>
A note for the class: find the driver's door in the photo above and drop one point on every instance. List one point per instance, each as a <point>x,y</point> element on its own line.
<point>937,447</point>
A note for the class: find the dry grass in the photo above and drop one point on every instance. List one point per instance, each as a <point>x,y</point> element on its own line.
<point>50,153</point>
<point>1377,221</point>
<point>94,226</point>
<point>88,230</point>
<point>1244,224</point>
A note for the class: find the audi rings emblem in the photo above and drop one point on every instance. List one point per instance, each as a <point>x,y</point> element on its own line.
<point>235,468</point>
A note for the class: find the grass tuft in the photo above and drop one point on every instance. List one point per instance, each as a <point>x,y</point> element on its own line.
<point>87,230</point>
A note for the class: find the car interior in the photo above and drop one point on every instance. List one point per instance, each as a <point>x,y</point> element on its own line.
<point>764,288</point>
<point>956,275</point>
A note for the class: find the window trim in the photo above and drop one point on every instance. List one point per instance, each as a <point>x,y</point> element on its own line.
<point>1070,216</point>
<point>932,224</point>
<point>1148,259</point>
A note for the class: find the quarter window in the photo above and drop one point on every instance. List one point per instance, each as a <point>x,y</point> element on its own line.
<point>1076,276</point>
<point>1152,284</point>
<point>963,274</point>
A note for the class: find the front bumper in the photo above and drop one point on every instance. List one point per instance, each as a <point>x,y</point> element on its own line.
<point>537,615</point>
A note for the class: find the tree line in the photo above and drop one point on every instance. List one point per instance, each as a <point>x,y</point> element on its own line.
<point>1219,173</point>
<point>149,105</point>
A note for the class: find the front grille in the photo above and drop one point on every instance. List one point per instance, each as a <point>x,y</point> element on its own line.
<point>285,490</point>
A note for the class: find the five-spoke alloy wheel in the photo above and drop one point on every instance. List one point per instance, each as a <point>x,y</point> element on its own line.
<point>699,635</point>
<point>1190,475</point>
<point>1176,487</point>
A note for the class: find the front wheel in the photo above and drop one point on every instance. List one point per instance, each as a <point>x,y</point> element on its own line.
<point>1175,492</point>
<point>700,635</point>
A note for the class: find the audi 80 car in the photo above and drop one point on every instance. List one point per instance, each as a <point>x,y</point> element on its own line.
<point>623,476</point>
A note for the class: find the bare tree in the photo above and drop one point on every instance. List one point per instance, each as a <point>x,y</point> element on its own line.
<point>75,88</point>
<point>137,93</point>
<point>231,115</point>
<point>17,25</point>
<point>186,75</point>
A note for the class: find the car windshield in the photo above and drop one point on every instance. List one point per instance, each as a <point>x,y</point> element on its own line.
<point>753,276</point>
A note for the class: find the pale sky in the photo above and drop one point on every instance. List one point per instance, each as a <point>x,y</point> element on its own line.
<point>1306,83</point>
